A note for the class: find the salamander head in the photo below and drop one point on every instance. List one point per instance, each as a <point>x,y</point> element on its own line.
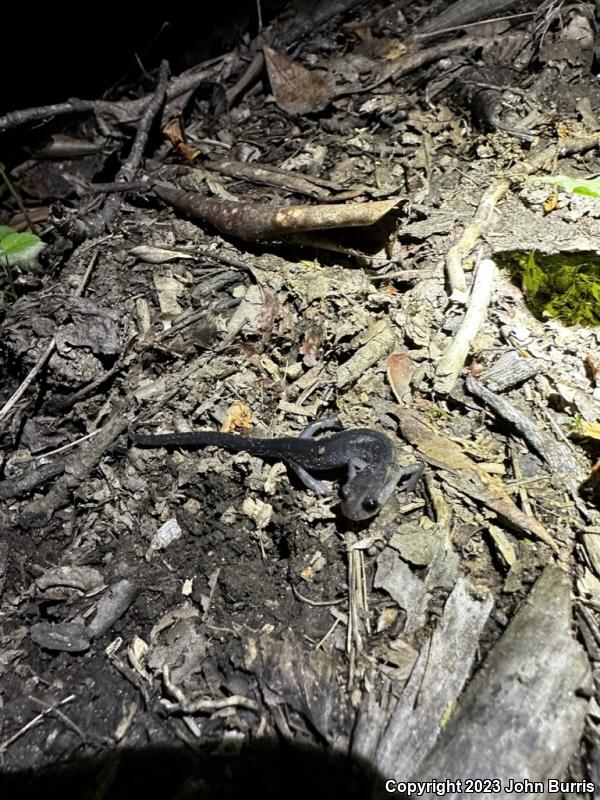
<point>368,490</point>
<point>362,496</point>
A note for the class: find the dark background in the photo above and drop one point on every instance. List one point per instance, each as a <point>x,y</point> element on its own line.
<point>48,54</point>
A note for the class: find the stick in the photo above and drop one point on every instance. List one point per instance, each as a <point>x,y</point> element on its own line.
<point>451,362</point>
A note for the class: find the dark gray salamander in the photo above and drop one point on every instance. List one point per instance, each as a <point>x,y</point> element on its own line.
<point>368,457</point>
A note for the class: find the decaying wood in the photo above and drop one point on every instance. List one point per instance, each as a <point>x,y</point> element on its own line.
<point>290,337</point>
<point>30,479</point>
<point>463,12</point>
<point>78,229</point>
<point>271,176</point>
<point>305,681</point>
<point>404,587</point>
<point>253,222</point>
<point>381,339</point>
<point>8,408</point>
<point>523,713</point>
<point>470,235</point>
<point>511,370</point>
<point>555,453</point>
<point>78,467</point>
<point>397,740</point>
<point>411,61</point>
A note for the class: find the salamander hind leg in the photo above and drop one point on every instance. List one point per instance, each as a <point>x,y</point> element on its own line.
<point>328,424</point>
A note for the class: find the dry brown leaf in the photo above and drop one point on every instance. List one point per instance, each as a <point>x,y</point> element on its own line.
<point>594,478</point>
<point>592,368</point>
<point>296,89</point>
<point>311,344</point>
<point>400,371</point>
<point>465,475</point>
<point>172,131</point>
<point>237,418</point>
<point>256,222</point>
<point>551,202</point>
<point>591,430</point>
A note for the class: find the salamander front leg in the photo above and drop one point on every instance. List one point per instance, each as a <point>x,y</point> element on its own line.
<point>319,487</point>
<point>413,472</point>
<point>403,478</point>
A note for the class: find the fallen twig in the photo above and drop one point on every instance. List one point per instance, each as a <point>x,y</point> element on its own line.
<point>255,222</point>
<point>31,479</point>
<point>33,722</point>
<point>451,362</point>
<point>77,470</point>
<point>467,476</point>
<point>470,235</point>
<point>556,454</point>
<point>25,116</point>
<point>184,706</point>
<point>77,230</point>
<point>536,729</point>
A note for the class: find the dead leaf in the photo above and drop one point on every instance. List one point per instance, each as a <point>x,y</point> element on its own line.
<point>551,202</point>
<point>173,132</point>
<point>590,430</point>
<point>296,90</point>
<point>309,349</point>
<point>156,255</point>
<point>592,368</point>
<point>466,476</point>
<point>168,289</point>
<point>400,370</point>
<point>237,418</point>
<point>259,512</point>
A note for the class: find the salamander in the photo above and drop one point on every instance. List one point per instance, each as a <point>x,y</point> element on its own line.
<point>368,457</point>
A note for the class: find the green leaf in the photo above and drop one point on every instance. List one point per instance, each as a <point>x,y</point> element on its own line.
<point>590,187</point>
<point>18,248</point>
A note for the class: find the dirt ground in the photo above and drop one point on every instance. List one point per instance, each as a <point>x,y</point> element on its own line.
<point>197,623</point>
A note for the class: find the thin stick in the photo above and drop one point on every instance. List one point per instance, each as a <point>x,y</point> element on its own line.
<point>456,254</point>
<point>16,197</point>
<point>33,722</point>
<point>79,229</point>
<point>453,359</point>
<point>54,710</point>
<point>26,115</point>
<point>507,18</point>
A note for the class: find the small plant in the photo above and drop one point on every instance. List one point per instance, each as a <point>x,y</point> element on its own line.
<point>589,187</point>
<point>17,250</point>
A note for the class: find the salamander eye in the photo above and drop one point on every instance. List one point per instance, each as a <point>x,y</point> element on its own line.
<point>369,504</point>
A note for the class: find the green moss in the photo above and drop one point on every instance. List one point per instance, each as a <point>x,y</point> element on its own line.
<point>562,285</point>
